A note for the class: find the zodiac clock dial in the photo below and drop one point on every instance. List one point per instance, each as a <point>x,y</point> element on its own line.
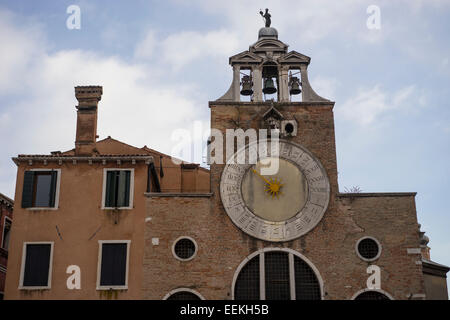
<point>282,205</point>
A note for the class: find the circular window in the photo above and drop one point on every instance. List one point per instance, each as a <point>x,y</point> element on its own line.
<point>184,248</point>
<point>368,248</point>
<point>289,127</point>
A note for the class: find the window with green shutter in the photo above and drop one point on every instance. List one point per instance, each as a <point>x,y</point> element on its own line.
<point>36,266</point>
<point>117,190</point>
<point>39,189</point>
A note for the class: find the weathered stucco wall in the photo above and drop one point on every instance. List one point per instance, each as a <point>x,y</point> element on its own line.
<point>78,217</point>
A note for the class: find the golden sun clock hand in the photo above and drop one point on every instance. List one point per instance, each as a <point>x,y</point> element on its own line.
<point>272,187</point>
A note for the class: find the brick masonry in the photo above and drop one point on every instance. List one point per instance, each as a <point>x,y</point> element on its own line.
<point>330,246</point>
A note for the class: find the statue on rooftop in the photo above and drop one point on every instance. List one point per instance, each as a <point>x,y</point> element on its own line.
<point>266,17</point>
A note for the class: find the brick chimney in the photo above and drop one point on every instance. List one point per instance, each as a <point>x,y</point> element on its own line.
<point>88,98</point>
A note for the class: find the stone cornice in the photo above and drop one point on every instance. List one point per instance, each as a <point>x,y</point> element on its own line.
<point>177,194</point>
<point>6,200</point>
<point>269,103</point>
<point>74,159</point>
<point>377,194</point>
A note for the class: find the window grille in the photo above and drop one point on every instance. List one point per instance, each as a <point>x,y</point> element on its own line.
<point>183,295</point>
<point>372,295</point>
<point>184,248</point>
<point>277,275</point>
<point>306,283</point>
<point>368,248</point>
<point>277,282</point>
<point>247,283</point>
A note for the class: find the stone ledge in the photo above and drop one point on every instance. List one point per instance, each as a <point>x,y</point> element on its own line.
<point>269,103</point>
<point>377,194</point>
<point>177,194</point>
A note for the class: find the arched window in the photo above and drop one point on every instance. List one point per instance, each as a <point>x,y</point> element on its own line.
<point>276,274</point>
<point>371,295</point>
<point>183,294</point>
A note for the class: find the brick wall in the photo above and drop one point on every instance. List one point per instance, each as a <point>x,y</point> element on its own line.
<point>330,246</point>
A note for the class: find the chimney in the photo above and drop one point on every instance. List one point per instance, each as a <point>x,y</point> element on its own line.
<point>88,98</point>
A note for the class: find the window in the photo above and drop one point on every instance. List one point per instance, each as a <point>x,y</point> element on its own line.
<point>113,264</point>
<point>372,295</point>
<point>40,189</point>
<point>118,188</point>
<point>36,265</point>
<point>274,274</point>
<point>184,248</point>
<point>6,233</point>
<point>368,248</point>
<point>183,294</point>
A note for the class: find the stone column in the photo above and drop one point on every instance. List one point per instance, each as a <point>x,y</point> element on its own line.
<point>283,81</point>
<point>236,83</point>
<point>257,84</point>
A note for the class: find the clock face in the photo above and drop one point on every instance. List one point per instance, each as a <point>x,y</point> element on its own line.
<point>280,204</point>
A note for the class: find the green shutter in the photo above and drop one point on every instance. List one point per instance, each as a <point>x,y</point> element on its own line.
<point>110,196</point>
<point>127,188</point>
<point>52,196</point>
<point>27,191</point>
<point>123,190</point>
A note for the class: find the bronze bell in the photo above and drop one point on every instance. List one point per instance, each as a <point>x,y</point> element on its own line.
<point>294,86</point>
<point>269,87</point>
<point>246,86</point>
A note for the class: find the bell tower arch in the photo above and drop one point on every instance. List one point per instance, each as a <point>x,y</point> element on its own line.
<point>274,73</point>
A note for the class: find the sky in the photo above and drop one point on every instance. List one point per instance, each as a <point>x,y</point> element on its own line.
<point>160,62</point>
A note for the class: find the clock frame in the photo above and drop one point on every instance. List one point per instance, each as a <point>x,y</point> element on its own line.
<point>276,231</point>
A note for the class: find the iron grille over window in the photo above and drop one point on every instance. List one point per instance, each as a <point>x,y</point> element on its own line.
<point>277,276</point>
<point>183,295</point>
<point>372,295</point>
<point>184,248</point>
<point>306,286</point>
<point>247,283</point>
<point>368,248</point>
<point>283,276</point>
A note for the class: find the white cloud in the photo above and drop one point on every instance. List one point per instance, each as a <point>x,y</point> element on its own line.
<point>147,46</point>
<point>325,87</point>
<point>183,48</point>
<point>135,108</point>
<point>19,47</point>
<point>369,105</point>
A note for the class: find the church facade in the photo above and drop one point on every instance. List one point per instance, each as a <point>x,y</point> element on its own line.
<point>252,245</point>
<point>133,225</point>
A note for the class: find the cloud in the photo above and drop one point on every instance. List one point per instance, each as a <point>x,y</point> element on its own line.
<point>183,48</point>
<point>369,105</point>
<point>135,108</point>
<point>325,87</point>
<point>19,47</point>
